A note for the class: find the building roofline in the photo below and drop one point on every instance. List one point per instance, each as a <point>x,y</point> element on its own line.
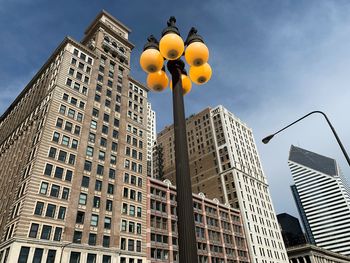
<point>65,41</point>
<point>138,83</point>
<point>301,248</point>
<point>104,12</point>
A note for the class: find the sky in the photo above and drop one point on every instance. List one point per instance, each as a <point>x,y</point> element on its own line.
<point>273,62</point>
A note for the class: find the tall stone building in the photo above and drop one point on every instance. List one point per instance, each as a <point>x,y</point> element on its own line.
<point>151,137</point>
<point>323,199</point>
<point>224,164</point>
<point>73,156</point>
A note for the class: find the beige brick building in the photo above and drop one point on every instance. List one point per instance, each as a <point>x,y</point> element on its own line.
<point>219,228</point>
<point>224,164</point>
<point>73,156</point>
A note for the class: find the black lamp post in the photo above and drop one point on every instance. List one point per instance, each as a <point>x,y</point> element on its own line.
<point>171,47</point>
<point>268,138</point>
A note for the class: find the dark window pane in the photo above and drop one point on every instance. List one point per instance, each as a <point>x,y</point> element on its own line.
<point>74,257</point>
<point>38,254</point>
<point>23,255</point>
<point>33,230</point>
<point>91,258</point>
<point>46,232</point>
<point>51,255</point>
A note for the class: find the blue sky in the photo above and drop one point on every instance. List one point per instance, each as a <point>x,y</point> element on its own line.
<point>273,61</point>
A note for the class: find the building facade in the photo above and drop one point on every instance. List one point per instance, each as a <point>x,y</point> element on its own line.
<point>73,156</point>
<point>323,199</point>
<point>224,164</point>
<point>291,230</point>
<point>151,137</point>
<point>219,228</point>
<point>312,254</point>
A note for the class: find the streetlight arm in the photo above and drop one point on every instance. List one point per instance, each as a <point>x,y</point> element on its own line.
<point>268,138</point>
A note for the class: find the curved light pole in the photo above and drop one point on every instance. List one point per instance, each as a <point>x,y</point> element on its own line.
<point>64,246</point>
<point>268,138</point>
<point>171,47</point>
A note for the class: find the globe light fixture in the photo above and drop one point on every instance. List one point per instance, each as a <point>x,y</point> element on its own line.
<point>196,53</point>
<point>151,60</point>
<point>171,47</point>
<point>186,84</point>
<point>157,81</point>
<point>201,74</point>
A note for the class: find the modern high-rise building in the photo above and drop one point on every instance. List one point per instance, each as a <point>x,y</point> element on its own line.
<point>73,156</point>
<point>151,137</point>
<point>323,199</point>
<point>224,164</point>
<point>219,228</point>
<point>291,230</point>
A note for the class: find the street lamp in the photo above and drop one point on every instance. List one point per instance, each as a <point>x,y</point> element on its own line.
<point>66,245</point>
<point>268,138</point>
<point>171,47</point>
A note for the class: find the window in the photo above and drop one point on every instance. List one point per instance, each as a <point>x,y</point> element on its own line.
<point>106,240</point>
<point>65,193</point>
<point>82,199</point>
<point>106,258</point>
<point>94,220</point>
<point>114,146</point>
<point>74,144</point>
<point>71,159</point>
<point>77,237</point>
<point>132,194</point>
<point>71,113</point>
<point>92,239</point>
<point>104,129</point>
<point>96,203</point>
<point>138,246</point>
<point>125,208</point>
<point>107,223</point>
<point>126,178</point>
<point>69,175</point>
<point>110,189</point>
<point>90,151</point>
<point>115,134</point>
<point>87,166</point>
<point>38,254</point>
<point>123,244</point>
<point>98,87</point>
<point>79,75</point>
<point>52,152</point>
<point>51,255</point>
<point>92,137</point>
<point>100,169</point>
<point>63,109</point>
<point>77,130</point>
<point>139,212</point>
<point>131,227</point>
<point>93,125</point>
<point>59,123</point>
<point>103,142</point>
<point>50,211</point>
<point>58,172</point>
<point>56,137</point>
<point>85,181</point>
<point>138,228</point>
<point>65,140</point>
<point>58,233</point>
<point>108,103</point>
<point>113,159</point>
<point>105,117</point>
<point>48,169</point>
<point>55,190</point>
<point>43,188</point>
<point>131,245</point>
<point>91,258</point>
<point>79,117</point>
<point>95,112</point>
<point>65,97</point>
<point>101,155</point>
<point>61,213</point>
<point>74,256</point>
<point>98,185</point>
<point>123,225</point>
<point>126,192</point>
<point>46,232</point>
<point>62,156</point>
<point>23,255</point>
<point>33,230</point>
<point>68,127</point>
<point>39,208</point>
<point>139,196</point>
<point>109,205</point>
<point>132,210</point>
<point>80,217</point>
<point>69,82</point>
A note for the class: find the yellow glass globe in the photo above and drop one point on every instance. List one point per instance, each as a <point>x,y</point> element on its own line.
<point>201,74</point>
<point>171,46</point>
<point>157,81</point>
<point>197,54</point>
<point>151,60</point>
<point>186,84</point>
